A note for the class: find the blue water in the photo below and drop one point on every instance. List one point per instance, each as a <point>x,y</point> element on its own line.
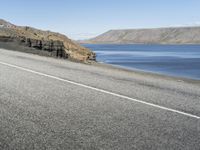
<point>174,60</point>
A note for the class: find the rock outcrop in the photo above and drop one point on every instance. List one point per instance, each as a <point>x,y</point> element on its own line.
<point>173,35</point>
<point>42,42</point>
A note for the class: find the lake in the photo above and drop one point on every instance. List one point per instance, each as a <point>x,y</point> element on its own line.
<point>173,60</point>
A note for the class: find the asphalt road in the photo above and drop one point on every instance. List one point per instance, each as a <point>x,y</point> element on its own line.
<point>48,103</point>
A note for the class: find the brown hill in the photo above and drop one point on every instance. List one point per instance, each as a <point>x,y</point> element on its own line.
<point>45,42</point>
<point>172,35</point>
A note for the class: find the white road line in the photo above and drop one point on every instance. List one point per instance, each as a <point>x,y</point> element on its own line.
<point>101,90</point>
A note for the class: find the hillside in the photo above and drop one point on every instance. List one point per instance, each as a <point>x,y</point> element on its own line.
<point>178,35</point>
<point>42,42</point>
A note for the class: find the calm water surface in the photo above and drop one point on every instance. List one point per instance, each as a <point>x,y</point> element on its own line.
<point>174,60</point>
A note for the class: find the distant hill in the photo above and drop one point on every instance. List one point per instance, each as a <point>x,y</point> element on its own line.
<point>172,35</point>
<point>43,42</point>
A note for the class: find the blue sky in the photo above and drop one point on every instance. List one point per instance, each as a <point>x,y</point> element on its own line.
<point>80,19</point>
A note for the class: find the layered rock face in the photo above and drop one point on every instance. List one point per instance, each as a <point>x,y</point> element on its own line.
<point>50,48</point>
<point>42,42</point>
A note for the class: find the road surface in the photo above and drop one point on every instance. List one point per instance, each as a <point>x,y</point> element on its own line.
<point>48,103</point>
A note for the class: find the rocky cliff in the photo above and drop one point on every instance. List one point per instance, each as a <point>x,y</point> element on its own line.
<point>42,42</point>
<point>179,35</point>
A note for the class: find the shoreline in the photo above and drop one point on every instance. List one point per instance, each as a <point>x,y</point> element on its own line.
<point>117,68</point>
<point>146,73</point>
<point>178,72</point>
<point>169,44</point>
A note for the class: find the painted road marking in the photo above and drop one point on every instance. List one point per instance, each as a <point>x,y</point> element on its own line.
<point>101,90</point>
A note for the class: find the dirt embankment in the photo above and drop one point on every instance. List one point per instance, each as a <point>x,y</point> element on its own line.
<point>42,42</point>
